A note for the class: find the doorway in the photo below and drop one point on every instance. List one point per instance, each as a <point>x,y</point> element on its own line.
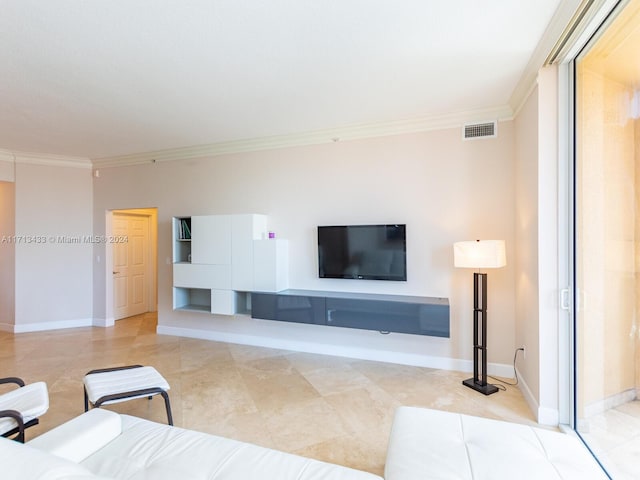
<point>131,270</point>
<point>607,243</point>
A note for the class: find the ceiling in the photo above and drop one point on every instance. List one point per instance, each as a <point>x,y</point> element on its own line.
<point>106,78</point>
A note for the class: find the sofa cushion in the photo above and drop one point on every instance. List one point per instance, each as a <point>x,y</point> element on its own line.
<point>151,450</point>
<point>431,444</point>
<point>80,437</point>
<point>22,462</point>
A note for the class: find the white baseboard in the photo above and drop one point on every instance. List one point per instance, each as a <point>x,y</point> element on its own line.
<point>548,416</point>
<point>104,322</point>
<point>498,370</point>
<point>56,325</point>
<point>608,403</point>
<point>544,415</point>
<point>527,394</point>
<point>360,353</point>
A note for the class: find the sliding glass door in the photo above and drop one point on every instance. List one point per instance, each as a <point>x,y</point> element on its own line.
<point>607,243</point>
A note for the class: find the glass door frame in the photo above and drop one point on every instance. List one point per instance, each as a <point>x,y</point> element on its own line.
<point>567,112</point>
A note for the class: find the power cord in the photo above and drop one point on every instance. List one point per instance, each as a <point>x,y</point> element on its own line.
<point>515,373</point>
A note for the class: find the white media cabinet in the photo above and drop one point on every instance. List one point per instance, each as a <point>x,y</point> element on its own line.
<point>217,259</point>
<point>226,264</point>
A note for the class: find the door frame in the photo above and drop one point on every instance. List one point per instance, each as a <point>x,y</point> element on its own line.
<point>596,17</point>
<point>152,261</point>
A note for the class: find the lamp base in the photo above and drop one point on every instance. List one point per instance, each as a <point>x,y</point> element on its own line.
<point>487,388</point>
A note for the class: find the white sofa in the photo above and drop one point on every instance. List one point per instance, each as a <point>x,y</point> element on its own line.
<point>424,444</point>
<point>101,444</point>
<point>432,444</point>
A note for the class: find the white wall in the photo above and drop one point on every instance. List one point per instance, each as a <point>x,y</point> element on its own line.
<point>443,188</point>
<point>52,277</point>
<point>7,255</point>
<point>527,334</point>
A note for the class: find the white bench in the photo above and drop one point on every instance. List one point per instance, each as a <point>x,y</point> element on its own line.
<point>119,384</point>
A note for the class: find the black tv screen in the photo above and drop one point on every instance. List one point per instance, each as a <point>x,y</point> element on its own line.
<point>363,252</point>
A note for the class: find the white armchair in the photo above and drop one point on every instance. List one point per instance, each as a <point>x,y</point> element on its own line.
<point>21,408</point>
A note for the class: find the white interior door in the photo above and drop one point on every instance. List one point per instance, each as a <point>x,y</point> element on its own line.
<point>130,264</point>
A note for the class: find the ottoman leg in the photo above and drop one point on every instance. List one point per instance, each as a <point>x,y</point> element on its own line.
<point>167,405</point>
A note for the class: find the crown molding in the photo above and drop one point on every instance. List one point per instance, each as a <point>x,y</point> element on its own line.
<point>353,132</point>
<point>7,168</point>
<point>562,17</point>
<point>44,159</point>
<point>52,160</point>
<point>7,156</point>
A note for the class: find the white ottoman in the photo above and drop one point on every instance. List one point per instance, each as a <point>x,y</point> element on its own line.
<point>430,444</point>
<point>119,384</point>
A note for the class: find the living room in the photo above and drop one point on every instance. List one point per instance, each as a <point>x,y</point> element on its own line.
<point>419,172</point>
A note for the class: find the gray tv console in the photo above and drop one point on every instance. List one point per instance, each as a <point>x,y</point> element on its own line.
<point>384,313</point>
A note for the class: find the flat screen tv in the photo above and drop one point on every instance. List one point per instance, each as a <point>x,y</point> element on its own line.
<point>363,252</point>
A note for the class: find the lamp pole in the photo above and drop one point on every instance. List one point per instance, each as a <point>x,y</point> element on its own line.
<point>479,380</point>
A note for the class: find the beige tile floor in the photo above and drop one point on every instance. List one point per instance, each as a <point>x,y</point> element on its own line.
<point>614,437</point>
<point>334,409</point>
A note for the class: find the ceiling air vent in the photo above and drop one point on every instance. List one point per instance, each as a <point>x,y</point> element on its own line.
<point>480,130</point>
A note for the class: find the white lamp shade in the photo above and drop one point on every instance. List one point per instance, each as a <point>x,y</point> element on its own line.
<point>480,254</point>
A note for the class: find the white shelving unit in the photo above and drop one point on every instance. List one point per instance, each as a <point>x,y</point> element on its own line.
<point>192,299</point>
<point>218,259</point>
<point>181,240</point>
<point>270,265</point>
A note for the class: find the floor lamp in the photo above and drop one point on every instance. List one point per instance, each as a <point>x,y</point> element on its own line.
<point>480,254</point>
